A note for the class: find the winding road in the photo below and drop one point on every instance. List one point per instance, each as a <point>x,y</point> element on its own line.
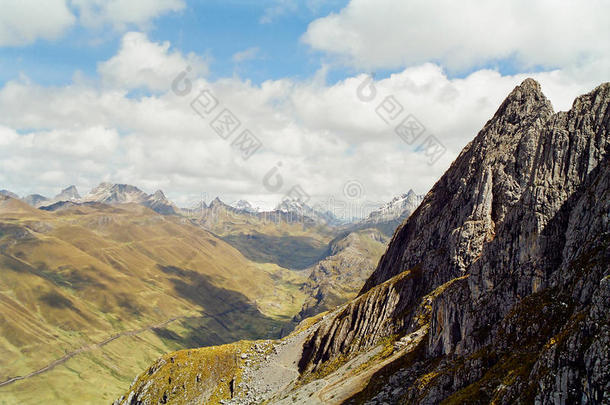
<point>92,346</point>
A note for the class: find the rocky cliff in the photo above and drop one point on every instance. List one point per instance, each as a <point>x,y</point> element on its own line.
<point>521,218</point>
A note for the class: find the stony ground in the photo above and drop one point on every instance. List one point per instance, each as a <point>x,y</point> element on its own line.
<point>269,367</point>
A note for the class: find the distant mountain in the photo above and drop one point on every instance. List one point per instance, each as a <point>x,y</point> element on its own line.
<point>159,203</point>
<point>244,205</point>
<point>338,277</point>
<point>9,194</point>
<point>35,200</point>
<point>68,194</point>
<point>108,193</point>
<point>390,215</point>
<point>93,283</point>
<point>398,209</point>
<point>298,209</point>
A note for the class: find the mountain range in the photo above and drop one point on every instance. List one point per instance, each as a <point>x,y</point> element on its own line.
<point>496,289</point>
<point>392,212</point>
<point>86,280</point>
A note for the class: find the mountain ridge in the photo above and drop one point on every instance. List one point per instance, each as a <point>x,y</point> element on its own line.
<point>520,145</point>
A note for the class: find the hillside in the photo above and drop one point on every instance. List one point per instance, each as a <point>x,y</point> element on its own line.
<point>337,278</point>
<point>496,289</point>
<point>121,281</point>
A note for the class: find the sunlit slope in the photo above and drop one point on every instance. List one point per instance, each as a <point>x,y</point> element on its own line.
<point>78,276</point>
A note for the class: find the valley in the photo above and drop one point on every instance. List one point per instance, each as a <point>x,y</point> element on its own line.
<point>87,280</point>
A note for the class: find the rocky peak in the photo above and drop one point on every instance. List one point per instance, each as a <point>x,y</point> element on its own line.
<point>508,233</point>
<point>396,210</point>
<point>68,194</point>
<point>217,203</point>
<point>292,205</point>
<point>159,195</point>
<point>470,200</point>
<point>108,193</point>
<point>244,205</point>
<point>159,203</point>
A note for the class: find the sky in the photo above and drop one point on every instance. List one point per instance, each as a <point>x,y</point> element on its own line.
<point>351,100</point>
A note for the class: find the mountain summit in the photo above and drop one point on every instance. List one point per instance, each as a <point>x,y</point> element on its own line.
<point>68,194</point>
<point>396,210</point>
<point>512,230</point>
<point>108,193</point>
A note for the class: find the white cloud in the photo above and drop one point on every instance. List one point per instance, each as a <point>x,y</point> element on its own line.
<point>142,63</point>
<point>24,21</point>
<point>323,135</point>
<point>121,14</point>
<point>463,35</point>
<point>246,54</point>
<point>280,8</point>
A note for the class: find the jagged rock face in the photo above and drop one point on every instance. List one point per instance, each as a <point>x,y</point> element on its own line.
<point>361,322</point>
<point>448,230</point>
<point>531,239</point>
<point>522,214</point>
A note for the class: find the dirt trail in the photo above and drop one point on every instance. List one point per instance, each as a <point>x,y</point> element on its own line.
<point>86,348</point>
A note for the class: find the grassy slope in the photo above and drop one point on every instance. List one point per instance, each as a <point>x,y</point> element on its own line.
<point>72,278</point>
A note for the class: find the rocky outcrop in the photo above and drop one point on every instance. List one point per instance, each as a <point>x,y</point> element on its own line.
<point>523,213</point>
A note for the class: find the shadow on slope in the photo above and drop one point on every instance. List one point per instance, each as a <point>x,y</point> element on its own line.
<point>292,252</point>
<point>227,315</point>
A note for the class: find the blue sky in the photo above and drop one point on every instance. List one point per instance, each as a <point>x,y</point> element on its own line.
<point>216,29</point>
